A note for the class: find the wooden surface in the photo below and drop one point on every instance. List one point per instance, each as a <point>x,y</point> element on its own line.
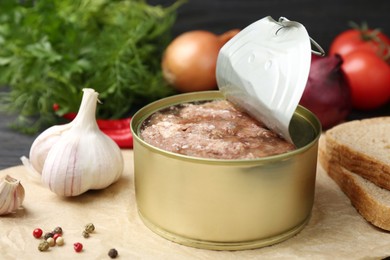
<point>335,230</point>
<point>323,19</point>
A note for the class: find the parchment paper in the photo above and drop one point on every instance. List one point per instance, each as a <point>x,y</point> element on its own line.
<point>335,230</point>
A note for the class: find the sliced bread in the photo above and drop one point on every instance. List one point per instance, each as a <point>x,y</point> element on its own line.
<point>362,147</point>
<point>371,201</point>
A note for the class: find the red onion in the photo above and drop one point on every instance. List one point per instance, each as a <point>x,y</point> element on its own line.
<point>327,93</point>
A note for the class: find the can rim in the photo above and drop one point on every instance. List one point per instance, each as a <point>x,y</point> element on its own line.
<point>147,110</point>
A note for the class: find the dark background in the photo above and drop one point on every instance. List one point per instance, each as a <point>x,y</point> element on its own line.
<point>323,20</point>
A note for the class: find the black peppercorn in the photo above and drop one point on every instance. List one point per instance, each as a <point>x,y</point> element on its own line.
<point>47,235</point>
<point>113,253</point>
<point>57,230</point>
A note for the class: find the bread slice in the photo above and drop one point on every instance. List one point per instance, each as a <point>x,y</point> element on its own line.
<point>371,201</point>
<point>363,147</point>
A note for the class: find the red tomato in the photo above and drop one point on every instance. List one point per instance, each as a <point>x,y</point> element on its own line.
<point>369,79</point>
<point>353,39</point>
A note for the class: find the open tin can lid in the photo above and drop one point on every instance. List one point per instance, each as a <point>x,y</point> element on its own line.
<point>264,70</point>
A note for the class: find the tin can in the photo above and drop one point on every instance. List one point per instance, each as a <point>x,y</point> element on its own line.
<point>225,204</point>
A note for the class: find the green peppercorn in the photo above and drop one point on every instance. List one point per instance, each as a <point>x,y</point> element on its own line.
<point>89,228</point>
<point>113,253</point>
<point>43,246</point>
<point>57,230</point>
<point>47,235</point>
<point>85,234</point>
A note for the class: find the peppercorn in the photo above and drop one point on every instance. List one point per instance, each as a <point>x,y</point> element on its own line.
<point>47,235</point>
<point>43,246</point>
<point>89,228</point>
<point>37,233</point>
<point>57,230</point>
<point>113,253</point>
<point>60,241</point>
<point>51,241</point>
<point>85,234</point>
<point>56,236</point>
<point>78,247</point>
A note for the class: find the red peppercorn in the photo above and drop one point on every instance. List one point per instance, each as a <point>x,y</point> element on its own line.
<point>78,247</point>
<point>56,236</point>
<point>37,233</point>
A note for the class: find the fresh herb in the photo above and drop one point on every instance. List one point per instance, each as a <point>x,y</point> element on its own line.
<point>50,50</point>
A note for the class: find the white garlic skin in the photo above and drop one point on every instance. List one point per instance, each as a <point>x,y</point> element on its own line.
<point>43,143</point>
<point>11,195</point>
<point>83,157</point>
<point>74,166</point>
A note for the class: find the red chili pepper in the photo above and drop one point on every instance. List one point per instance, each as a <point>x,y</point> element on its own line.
<point>123,137</point>
<point>117,129</point>
<point>70,116</point>
<point>114,123</point>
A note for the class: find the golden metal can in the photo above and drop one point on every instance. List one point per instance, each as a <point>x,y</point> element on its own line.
<point>225,204</point>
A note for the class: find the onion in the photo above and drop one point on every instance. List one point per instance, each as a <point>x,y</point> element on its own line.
<point>327,93</point>
<point>189,61</point>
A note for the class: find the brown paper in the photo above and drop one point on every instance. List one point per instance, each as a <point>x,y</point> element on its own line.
<point>335,230</point>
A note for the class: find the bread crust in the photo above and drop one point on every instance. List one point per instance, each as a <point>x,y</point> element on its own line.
<point>361,192</point>
<point>364,164</point>
<point>360,196</point>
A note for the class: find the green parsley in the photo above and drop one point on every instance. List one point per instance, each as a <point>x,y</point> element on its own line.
<point>51,50</point>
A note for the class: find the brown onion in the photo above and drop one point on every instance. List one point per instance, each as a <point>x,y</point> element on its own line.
<point>189,61</point>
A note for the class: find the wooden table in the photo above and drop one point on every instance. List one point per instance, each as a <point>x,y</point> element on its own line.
<point>335,230</point>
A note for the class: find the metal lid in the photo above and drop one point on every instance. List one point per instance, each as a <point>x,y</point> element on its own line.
<point>264,70</point>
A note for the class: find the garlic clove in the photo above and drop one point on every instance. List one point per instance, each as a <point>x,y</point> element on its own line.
<point>11,195</point>
<point>43,143</point>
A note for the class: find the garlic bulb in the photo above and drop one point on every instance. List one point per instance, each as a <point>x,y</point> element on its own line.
<point>11,195</point>
<point>77,157</point>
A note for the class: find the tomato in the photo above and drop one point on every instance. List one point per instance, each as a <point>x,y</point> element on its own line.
<point>354,39</point>
<point>369,79</point>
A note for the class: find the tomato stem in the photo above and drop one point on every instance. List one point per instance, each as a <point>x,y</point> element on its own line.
<point>368,34</point>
